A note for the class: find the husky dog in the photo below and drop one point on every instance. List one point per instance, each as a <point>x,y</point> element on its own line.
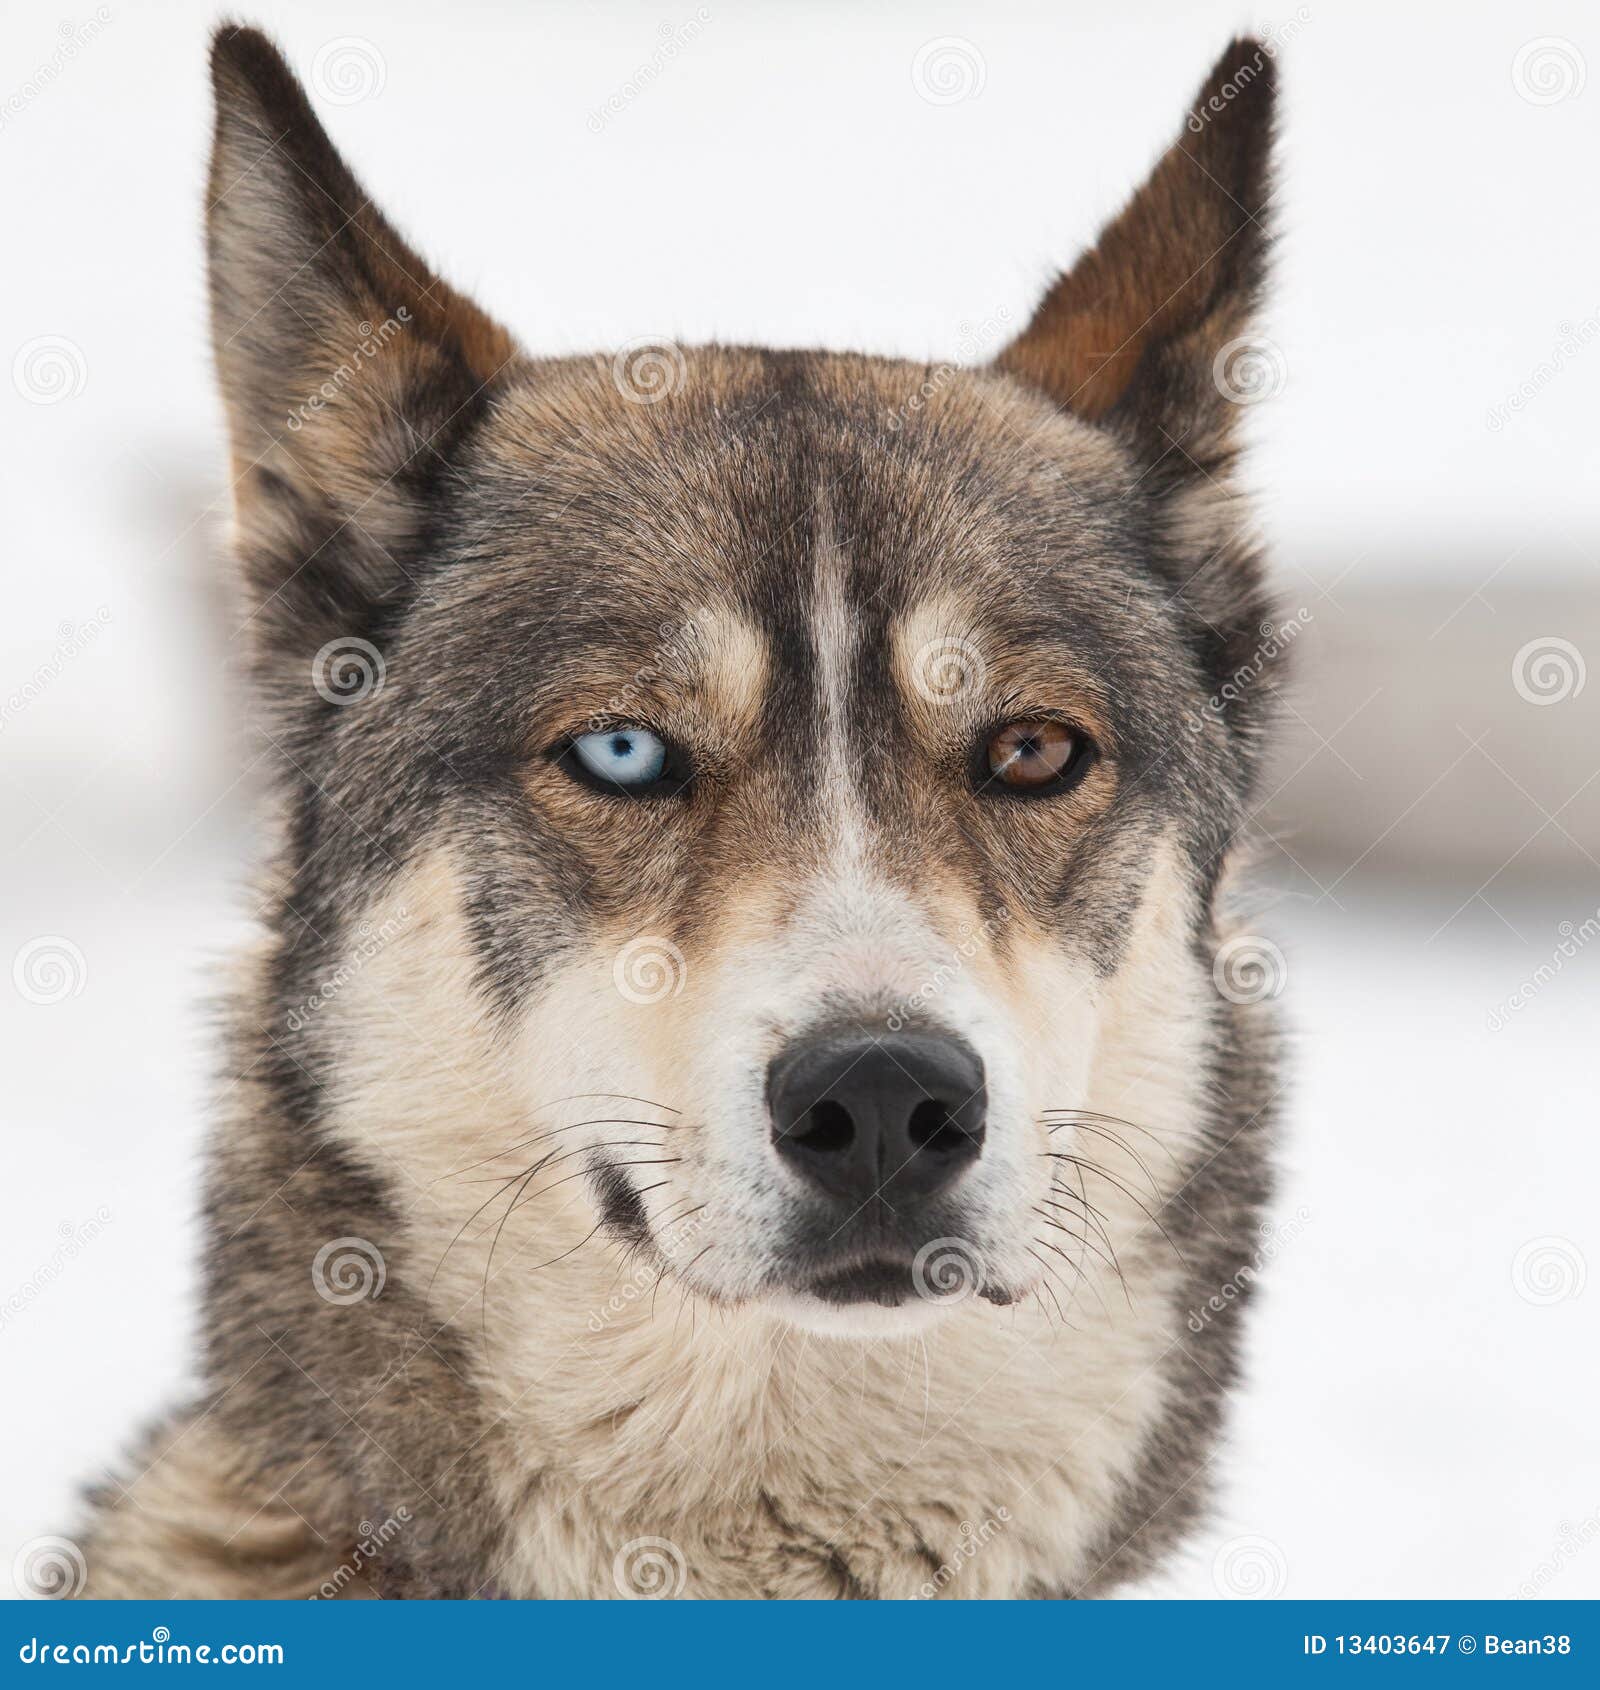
<point>740,1092</point>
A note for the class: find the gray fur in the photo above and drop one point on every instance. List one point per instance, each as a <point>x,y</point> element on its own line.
<point>757,558</point>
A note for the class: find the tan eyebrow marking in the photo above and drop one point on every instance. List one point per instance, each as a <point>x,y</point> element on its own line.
<point>938,655</point>
<point>727,657</point>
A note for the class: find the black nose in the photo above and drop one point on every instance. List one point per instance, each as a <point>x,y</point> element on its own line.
<point>858,1113</point>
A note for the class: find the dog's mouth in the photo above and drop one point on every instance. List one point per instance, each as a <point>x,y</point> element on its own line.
<point>879,1295</point>
<point>885,1282</point>
<point>944,1272</point>
<point>875,1273</point>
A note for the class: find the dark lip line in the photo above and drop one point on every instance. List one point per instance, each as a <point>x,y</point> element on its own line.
<point>1000,1296</point>
<point>615,1185</point>
<point>876,1284</point>
<point>866,1261</point>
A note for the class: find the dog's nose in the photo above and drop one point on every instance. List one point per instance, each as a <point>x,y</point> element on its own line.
<point>858,1113</point>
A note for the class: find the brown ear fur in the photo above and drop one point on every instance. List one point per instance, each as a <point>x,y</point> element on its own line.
<point>348,368</point>
<point>1128,336</point>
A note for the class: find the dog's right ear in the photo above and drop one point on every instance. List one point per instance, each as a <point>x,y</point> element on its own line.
<point>348,369</point>
<point>1134,335</point>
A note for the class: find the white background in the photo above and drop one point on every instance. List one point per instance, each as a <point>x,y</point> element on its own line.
<point>1420,1414</point>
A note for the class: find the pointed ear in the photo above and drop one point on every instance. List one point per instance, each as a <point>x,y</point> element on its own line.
<point>1137,334</point>
<point>348,369</point>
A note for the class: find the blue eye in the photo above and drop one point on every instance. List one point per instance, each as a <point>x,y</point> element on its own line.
<point>627,756</point>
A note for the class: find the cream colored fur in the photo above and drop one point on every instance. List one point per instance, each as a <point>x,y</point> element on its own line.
<point>728,1432</point>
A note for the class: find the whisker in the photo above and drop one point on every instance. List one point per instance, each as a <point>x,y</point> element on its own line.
<point>565,1253</point>
<point>554,1157</point>
<point>1105,1230</point>
<point>665,1226</point>
<point>1083,1279</point>
<point>927,1385</point>
<point>689,1264</point>
<point>521,1177</point>
<point>1088,1212</point>
<point>1122,1145</point>
<point>483,1307</point>
<point>1046,1285</point>
<point>655,1290</point>
<point>505,1185</point>
<point>636,1162</point>
<point>1111,1179</point>
<point>1109,1120</point>
<point>579,1150</point>
<point>618,1096</point>
<point>599,1121</point>
<point>1077,1238</point>
<point>1077,1267</point>
<point>687,1298</point>
<point>1091,1214</point>
<point>1086,1279</point>
<point>521,1196</point>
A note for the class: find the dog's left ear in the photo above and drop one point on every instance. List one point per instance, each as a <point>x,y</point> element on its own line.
<point>1137,336</point>
<point>348,368</point>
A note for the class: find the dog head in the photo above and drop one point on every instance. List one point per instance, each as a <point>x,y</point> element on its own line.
<point>764,810</point>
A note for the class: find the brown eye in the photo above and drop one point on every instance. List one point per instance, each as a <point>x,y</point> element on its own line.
<point>1034,757</point>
